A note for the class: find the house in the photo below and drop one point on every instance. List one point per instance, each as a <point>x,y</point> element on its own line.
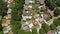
<point>6,0</point>
<point>25,7</point>
<point>24,18</point>
<point>9,16</point>
<point>8,28</point>
<point>29,17</point>
<point>37,15</point>
<point>51,12</point>
<point>45,16</point>
<point>30,25</point>
<point>9,10</point>
<point>36,22</point>
<point>27,2</point>
<point>31,1</point>
<point>41,19</point>
<point>10,32</point>
<point>40,7</point>
<point>30,6</point>
<point>26,22</point>
<point>43,7</point>
<point>41,1</point>
<point>58,28</point>
<point>50,22</point>
<point>10,1</point>
<point>5,32</point>
<point>25,26</point>
<point>56,32</point>
<point>25,12</point>
<point>10,5</point>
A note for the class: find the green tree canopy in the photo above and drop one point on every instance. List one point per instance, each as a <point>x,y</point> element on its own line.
<point>57,12</point>
<point>45,27</point>
<point>50,3</point>
<point>3,8</point>
<point>58,3</point>
<point>41,31</point>
<point>17,10</point>
<point>53,26</point>
<point>34,31</point>
<point>57,21</point>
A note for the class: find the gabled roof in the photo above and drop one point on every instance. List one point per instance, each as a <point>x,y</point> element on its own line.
<point>58,28</point>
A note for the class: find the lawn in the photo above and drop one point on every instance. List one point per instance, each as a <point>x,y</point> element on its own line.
<point>4,29</point>
<point>30,21</point>
<point>0,17</point>
<point>3,20</point>
<point>47,19</point>
<point>45,12</point>
<point>35,5</point>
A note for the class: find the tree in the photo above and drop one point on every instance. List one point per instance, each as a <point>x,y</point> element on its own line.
<point>58,3</point>
<point>1,32</point>
<point>45,27</point>
<point>51,4</point>
<point>53,26</point>
<point>41,31</point>
<point>57,21</point>
<point>17,16</point>
<point>3,12</point>
<point>34,31</point>
<point>16,25</point>
<point>3,8</point>
<point>57,12</point>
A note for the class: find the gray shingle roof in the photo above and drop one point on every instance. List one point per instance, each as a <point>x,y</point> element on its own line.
<point>41,19</point>
<point>26,1</point>
<point>58,28</point>
<point>9,10</point>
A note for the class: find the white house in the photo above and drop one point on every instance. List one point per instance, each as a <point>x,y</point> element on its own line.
<point>30,25</point>
<point>30,6</point>
<point>9,10</point>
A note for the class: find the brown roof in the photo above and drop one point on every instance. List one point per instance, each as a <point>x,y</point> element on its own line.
<point>35,22</point>
<point>51,12</point>
<point>45,16</point>
<point>9,16</point>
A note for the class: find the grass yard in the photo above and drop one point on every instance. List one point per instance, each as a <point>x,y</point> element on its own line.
<point>47,19</point>
<point>0,17</point>
<point>4,29</point>
<point>3,20</point>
